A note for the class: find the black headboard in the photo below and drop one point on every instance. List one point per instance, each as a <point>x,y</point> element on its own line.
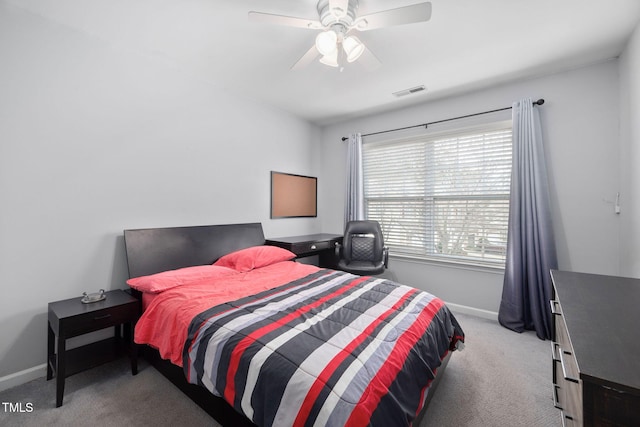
<point>152,250</point>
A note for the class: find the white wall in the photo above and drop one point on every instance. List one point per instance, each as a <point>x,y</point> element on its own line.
<point>581,130</point>
<point>630,156</point>
<point>94,140</point>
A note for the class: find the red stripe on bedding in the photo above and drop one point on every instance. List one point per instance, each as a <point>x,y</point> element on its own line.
<point>379,385</point>
<point>326,373</point>
<point>230,389</point>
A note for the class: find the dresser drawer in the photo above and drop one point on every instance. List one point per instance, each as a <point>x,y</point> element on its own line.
<point>561,336</point>
<point>573,402</point>
<point>566,376</point>
<point>569,366</point>
<point>563,401</point>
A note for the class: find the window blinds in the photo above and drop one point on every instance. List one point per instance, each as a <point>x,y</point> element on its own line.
<point>443,197</point>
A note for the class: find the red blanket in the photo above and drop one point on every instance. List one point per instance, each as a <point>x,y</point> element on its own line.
<point>166,319</point>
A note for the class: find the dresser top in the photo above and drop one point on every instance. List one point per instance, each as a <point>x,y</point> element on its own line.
<point>602,314</point>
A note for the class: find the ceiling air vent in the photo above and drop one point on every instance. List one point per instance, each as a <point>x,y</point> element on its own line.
<point>409,91</point>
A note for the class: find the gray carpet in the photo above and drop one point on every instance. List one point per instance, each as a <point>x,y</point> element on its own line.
<point>500,379</point>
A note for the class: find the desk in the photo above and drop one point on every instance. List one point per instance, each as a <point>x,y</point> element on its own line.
<point>322,244</point>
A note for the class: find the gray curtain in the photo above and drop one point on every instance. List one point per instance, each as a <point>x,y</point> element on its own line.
<point>531,251</point>
<point>354,203</point>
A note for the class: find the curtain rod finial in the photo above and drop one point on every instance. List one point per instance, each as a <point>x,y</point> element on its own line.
<point>539,102</point>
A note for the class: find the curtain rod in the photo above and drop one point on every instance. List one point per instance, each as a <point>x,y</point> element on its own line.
<point>538,102</point>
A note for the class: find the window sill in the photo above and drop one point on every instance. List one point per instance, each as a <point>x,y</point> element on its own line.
<point>497,269</point>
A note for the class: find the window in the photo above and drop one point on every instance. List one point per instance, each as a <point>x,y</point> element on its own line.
<point>443,196</point>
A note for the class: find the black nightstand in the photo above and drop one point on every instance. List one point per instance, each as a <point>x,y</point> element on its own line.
<point>70,318</point>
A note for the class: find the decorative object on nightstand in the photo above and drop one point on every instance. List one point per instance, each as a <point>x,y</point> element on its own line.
<point>94,297</point>
<point>73,317</point>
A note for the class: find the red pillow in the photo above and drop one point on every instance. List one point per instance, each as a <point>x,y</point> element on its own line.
<point>159,282</point>
<point>254,257</point>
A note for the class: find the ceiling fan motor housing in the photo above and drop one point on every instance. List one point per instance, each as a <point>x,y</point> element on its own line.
<point>328,18</point>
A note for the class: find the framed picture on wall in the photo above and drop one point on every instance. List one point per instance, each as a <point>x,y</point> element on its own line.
<point>293,196</point>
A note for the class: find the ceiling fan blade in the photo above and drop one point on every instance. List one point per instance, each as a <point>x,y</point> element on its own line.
<point>420,12</point>
<point>368,60</point>
<point>339,8</point>
<point>306,59</point>
<point>268,18</point>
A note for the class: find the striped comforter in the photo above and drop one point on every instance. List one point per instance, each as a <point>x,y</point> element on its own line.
<point>329,349</point>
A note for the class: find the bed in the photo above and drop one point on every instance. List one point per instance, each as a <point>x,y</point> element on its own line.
<point>256,338</point>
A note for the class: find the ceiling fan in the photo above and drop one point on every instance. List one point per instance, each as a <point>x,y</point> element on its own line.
<point>337,44</point>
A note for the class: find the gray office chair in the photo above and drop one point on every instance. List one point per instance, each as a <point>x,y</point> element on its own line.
<point>362,251</point>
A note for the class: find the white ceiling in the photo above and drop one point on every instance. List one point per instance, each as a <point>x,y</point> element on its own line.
<point>467,44</point>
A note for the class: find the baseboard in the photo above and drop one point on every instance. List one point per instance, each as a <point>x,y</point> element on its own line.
<point>22,377</point>
<point>485,314</point>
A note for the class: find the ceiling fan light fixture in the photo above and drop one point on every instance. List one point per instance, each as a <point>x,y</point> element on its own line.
<point>326,42</point>
<point>331,59</point>
<point>353,47</point>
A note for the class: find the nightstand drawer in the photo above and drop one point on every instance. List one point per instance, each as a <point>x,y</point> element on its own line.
<point>98,319</point>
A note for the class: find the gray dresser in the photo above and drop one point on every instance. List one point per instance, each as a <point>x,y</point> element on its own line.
<point>596,349</point>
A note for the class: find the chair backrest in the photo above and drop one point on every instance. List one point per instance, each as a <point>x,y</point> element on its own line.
<point>363,241</point>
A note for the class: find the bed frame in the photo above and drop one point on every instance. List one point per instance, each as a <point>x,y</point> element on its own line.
<point>153,250</point>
